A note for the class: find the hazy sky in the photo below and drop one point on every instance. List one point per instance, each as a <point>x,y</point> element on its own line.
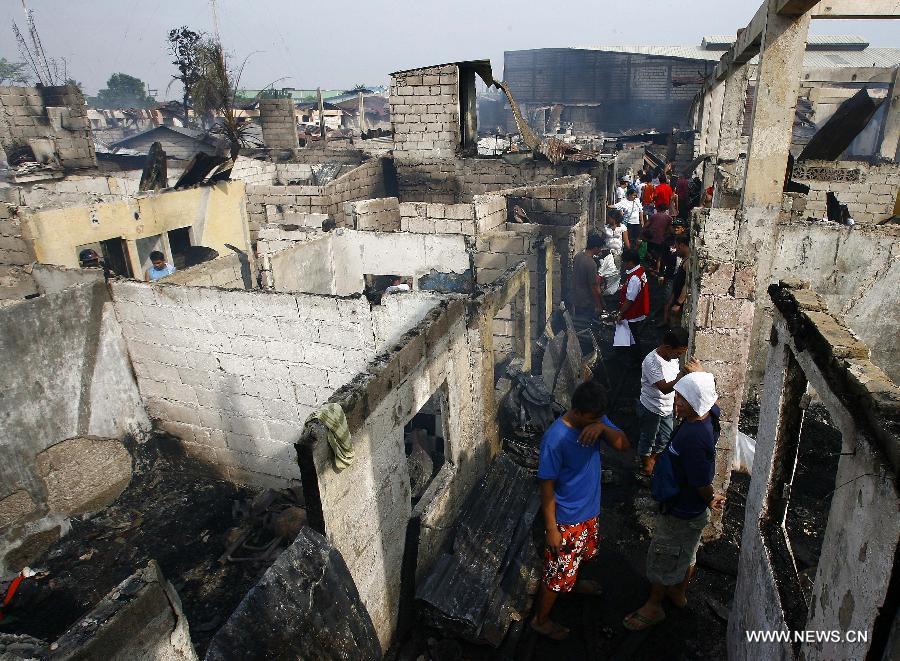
<point>339,44</point>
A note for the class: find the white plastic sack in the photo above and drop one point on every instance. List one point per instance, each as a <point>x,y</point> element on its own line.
<point>744,449</point>
<point>623,336</point>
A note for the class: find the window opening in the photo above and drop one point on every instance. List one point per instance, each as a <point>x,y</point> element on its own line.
<point>179,244</point>
<point>147,245</point>
<point>425,443</point>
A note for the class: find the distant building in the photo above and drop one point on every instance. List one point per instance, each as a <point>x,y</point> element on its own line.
<point>308,113</point>
<point>625,88</point>
<point>298,96</point>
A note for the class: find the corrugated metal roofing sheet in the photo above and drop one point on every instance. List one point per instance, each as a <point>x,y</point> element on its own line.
<point>838,40</point>
<point>688,52</point>
<point>818,59</point>
<point>870,57</point>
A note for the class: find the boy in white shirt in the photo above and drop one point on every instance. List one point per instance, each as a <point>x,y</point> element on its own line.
<point>659,374</point>
<point>633,215</point>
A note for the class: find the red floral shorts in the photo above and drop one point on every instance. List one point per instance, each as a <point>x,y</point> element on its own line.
<point>579,542</point>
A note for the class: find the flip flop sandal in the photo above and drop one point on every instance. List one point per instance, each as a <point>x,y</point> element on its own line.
<point>643,622</point>
<point>556,631</point>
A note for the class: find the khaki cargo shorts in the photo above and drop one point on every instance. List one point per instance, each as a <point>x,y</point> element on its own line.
<point>673,547</point>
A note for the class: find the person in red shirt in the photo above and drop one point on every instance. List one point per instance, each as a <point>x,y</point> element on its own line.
<point>663,192</point>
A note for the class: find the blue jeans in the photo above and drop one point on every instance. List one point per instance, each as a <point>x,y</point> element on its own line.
<point>655,430</point>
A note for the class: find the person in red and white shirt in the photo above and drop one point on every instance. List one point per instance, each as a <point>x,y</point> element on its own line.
<point>634,297</point>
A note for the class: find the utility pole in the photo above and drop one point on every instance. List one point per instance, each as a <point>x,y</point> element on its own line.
<point>362,116</point>
<point>321,114</point>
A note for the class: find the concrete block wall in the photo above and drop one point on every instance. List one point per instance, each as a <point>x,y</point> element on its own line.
<point>77,190</point>
<point>397,314</point>
<point>224,271</point>
<point>309,267</point>
<point>67,112</point>
<point>279,123</point>
<point>684,150</point>
<point>408,254</point>
<point>361,183</point>
<point>630,159</point>
<point>15,254</point>
<point>856,562</point>
<point>285,173</point>
<point>502,249</point>
<point>234,374</point>
<point>490,212</point>
<point>52,279</point>
<point>274,238</point>
<point>424,105</point>
<point>720,318</point>
<point>335,263</point>
<point>215,214</point>
<point>79,383</point>
<point>270,203</point>
<point>58,113</point>
<point>253,171</point>
<point>14,250</point>
<point>312,154</point>
<point>381,214</point>
<point>869,191</point>
<point>438,218</point>
<point>461,179</point>
<point>562,209</point>
<point>330,152</point>
<point>564,201</point>
<point>458,180</point>
<point>366,507</point>
<point>855,270</point>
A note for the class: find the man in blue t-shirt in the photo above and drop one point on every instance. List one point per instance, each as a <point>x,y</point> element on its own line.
<point>569,474</point>
<point>677,531</point>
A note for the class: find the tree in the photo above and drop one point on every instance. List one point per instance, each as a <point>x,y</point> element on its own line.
<point>214,94</point>
<point>184,44</point>
<point>13,72</point>
<point>124,91</point>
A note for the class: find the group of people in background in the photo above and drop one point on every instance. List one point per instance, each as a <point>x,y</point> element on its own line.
<point>645,240</point>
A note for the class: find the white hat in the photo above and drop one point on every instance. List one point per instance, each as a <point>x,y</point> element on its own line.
<point>699,389</point>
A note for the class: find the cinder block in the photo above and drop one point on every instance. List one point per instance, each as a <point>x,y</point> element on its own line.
<point>181,393</point>
<point>490,260</point>
<point>710,345</point>
<point>284,433</point>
